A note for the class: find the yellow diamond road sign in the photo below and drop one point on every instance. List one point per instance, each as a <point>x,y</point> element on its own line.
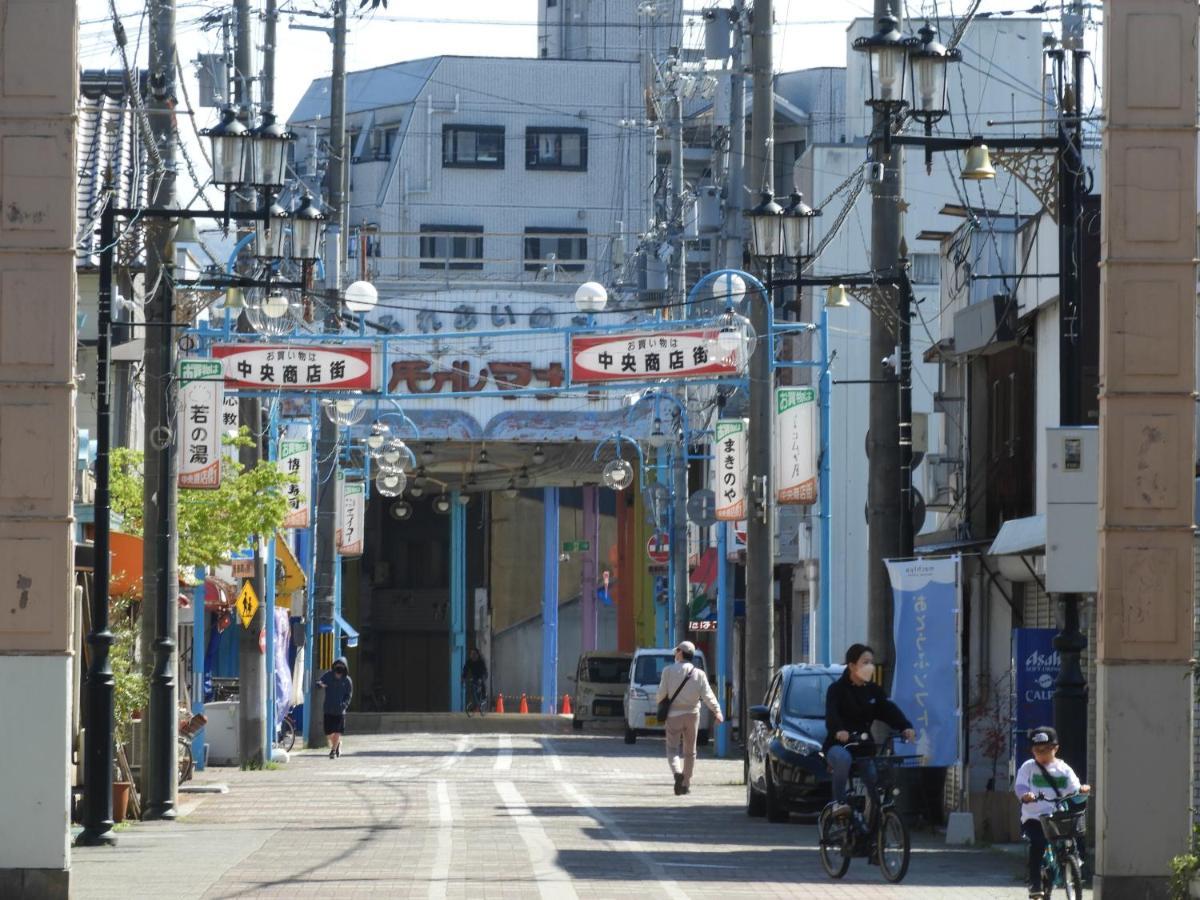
<point>247,604</point>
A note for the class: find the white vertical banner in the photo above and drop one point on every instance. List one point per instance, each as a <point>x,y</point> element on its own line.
<point>353,504</point>
<point>795,456</point>
<point>200,386</point>
<point>295,459</point>
<point>729,469</point>
<point>229,413</point>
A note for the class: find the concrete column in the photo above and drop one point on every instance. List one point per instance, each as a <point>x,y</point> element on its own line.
<point>1147,444</point>
<point>587,583</point>
<point>550,603</point>
<point>38,88</point>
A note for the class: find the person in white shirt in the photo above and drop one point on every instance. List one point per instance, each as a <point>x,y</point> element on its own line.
<point>1048,776</point>
<point>686,686</point>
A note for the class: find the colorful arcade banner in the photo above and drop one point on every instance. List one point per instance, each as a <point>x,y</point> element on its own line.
<point>297,367</point>
<point>926,681</point>
<point>199,423</point>
<point>729,474</point>
<point>795,455</point>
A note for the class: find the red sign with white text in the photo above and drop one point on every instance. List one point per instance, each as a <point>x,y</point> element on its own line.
<point>641,355</point>
<point>292,368</point>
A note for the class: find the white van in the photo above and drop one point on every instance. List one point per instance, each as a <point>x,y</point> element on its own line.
<point>641,707</point>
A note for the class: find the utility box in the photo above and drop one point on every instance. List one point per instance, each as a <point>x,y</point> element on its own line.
<point>221,732</point>
<point>1072,511</point>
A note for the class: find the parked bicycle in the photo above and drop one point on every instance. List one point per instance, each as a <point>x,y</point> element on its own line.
<point>476,697</point>
<point>187,731</point>
<point>873,828</point>
<point>1062,865</point>
<point>286,739</point>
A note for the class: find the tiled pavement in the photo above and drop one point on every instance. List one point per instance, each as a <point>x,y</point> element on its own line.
<point>497,816</point>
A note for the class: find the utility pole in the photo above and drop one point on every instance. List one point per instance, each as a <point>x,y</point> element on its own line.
<point>160,575</point>
<point>760,520</point>
<point>252,670</point>
<point>883,446</point>
<point>327,436</point>
<point>735,199</point>
<point>679,464</point>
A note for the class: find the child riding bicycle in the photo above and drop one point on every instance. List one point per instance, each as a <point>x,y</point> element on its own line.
<point>1044,773</point>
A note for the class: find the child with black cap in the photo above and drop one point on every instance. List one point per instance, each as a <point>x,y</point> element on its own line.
<point>1049,776</point>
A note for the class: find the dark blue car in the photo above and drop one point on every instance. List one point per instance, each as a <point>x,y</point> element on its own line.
<point>785,769</point>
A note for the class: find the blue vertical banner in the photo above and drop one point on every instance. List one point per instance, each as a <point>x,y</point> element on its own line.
<point>927,679</point>
<point>1035,662</point>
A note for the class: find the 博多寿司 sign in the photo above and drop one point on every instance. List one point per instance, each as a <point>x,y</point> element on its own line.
<point>281,367</point>
<point>644,355</point>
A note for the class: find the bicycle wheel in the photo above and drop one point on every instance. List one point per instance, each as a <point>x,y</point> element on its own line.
<point>1072,878</point>
<point>893,846</point>
<point>287,734</point>
<point>832,836</point>
<point>186,764</point>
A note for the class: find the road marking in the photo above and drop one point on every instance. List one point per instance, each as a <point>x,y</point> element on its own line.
<point>464,744</point>
<point>504,760</point>
<point>551,755</point>
<point>439,800</point>
<point>692,865</point>
<point>669,887</point>
<point>553,882</point>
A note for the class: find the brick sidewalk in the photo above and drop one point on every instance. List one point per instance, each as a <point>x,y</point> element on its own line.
<point>497,816</point>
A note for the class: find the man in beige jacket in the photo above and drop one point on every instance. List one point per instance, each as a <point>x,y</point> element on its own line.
<point>688,685</point>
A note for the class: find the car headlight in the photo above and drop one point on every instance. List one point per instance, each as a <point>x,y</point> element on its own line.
<point>803,746</point>
<point>638,694</point>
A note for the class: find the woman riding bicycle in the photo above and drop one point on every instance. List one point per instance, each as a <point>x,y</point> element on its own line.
<point>852,705</point>
<point>475,675</point>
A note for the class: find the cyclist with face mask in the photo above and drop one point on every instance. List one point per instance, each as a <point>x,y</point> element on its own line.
<point>852,705</point>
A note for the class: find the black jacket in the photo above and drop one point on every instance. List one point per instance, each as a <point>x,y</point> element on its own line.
<point>854,708</point>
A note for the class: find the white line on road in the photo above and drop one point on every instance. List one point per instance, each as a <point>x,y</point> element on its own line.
<point>669,887</point>
<point>551,755</point>
<point>439,800</point>
<point>504,760</point>
<point>554,882</point>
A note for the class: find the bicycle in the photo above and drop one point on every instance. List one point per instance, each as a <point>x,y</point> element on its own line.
<point>286,739</point>
<point>877,834</point>
<point>1062,866</point>
<point>476,697</point>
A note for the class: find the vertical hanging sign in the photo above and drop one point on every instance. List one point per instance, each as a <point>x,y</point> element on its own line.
<point>795,457</point>
<point>230,412</point>
<point>353,504</point>
<point>729,470</point>
<point>295,459</point>
<point>199,442</point>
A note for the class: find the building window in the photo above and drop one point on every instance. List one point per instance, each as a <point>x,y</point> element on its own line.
<point>473,146</point>
<point>926,268</point>
<point>451,246</point>
<point>556,148</point>
<point>563,248</point>
<point>551,3</point>
<point>385,140</point>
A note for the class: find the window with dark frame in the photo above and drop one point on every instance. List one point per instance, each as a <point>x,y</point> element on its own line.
<point>473,146</point>
<point>451,246</point>
<point>556,149</point>
<point>566,248</point>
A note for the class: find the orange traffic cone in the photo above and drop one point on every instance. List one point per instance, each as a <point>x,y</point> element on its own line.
<point>566,707</point>
<point>500,703</point>
<point>524,704</point>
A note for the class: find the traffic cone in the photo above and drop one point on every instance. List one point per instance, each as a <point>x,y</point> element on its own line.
<point>500,703</point>
<point>524,704</point>
<point>566,708</point>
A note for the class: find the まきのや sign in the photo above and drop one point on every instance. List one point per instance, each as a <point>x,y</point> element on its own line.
<point>729,472</point>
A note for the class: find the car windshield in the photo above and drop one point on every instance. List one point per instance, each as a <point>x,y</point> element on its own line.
<point>608,670</point>
<point>650,668</point>
<point>805,698</point>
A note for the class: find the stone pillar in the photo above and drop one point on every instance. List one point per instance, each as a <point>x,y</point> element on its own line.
<point>1147,452</point>
<point>38,87</point>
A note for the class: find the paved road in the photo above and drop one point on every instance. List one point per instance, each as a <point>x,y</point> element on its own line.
<point>497,816</point>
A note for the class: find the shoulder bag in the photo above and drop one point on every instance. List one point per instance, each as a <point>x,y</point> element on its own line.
<point>664,706</point>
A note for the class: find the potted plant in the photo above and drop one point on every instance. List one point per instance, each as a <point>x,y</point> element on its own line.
<point>130,691</point>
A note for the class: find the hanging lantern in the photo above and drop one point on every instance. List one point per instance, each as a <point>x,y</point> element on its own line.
<point>888,54</point>
<point>377,438</point>
<point>269,232</point>
<point>307,227</point>
<point>391,484</point>
<point>230,141</point>
<point>269,142</point>
<point>929,60</point>
<point>797,227</point>
<point>618,475</point>
<point>766,228</point>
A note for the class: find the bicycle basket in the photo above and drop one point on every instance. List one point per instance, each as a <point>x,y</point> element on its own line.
<point>1064,824</point>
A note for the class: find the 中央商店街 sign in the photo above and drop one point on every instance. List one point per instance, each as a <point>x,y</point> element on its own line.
<point>648,354</point>
<point>274,367</point>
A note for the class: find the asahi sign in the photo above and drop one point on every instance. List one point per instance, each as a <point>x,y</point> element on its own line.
<point>351,517</point>
<point>295,459</point>
<point>729,470</point>
<point>648,354</point>
<point>795,462</point>
<point>199,423</point>
<point>275,367</point>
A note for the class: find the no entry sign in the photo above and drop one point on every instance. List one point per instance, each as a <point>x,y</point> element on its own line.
<point>658,548</point>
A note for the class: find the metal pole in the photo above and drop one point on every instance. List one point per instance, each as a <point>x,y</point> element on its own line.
<point>760,521</point>
<point>458,599</point>
<point>199,646</point>
<point>550,602</point>
<point>825,638</point>
<point>272,726</point>
<point>883,485</point>
<point>98,738</point>
<point>270,26</point>
<point>904,299</point>
<point>161,542</point>
<point>588,581</point>
<point>679,476</point>
<point>724,638</point>
<point>735,198</point>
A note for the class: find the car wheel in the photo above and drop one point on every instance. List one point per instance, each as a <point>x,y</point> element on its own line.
<point>776,811</point>
<point>630,735</point>
<point>756,803</point>
<point>702,738</point>
<point>577,724</point>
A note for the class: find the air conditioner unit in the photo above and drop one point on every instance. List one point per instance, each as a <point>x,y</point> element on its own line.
<point>941,482</point>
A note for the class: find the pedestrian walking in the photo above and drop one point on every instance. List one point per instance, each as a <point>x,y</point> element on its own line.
<point>681,690</point>
<point>339,688</point>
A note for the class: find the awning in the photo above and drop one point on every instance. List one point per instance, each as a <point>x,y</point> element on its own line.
<point>1020,537</point>
<point>349,635</point>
